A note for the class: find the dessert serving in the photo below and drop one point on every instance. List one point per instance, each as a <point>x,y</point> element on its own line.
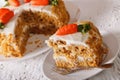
<point>77,45</point>
<point>17,21</point>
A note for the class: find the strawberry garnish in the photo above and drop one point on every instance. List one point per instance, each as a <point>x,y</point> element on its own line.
<point>5,16</point>
<point>26,1</point>
<point>40,2</point>
<point>15,3</point>
<point>73,28</point>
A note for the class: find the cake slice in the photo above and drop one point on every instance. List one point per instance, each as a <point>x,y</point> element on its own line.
<point>29,18</point>
<point>77,45</point>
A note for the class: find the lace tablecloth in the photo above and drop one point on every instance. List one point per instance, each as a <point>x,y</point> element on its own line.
<point>104,13</point>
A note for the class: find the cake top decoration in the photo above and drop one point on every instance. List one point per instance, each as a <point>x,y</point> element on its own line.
<point>5,16</point>
<point>73,28</point>
<point>39,2</point>
<point>16,3</point>
<point>26,1</point>
<point>53,2</point>
<point>44,2</point>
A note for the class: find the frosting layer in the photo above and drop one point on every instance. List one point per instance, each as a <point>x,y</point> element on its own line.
<point>76,38</point>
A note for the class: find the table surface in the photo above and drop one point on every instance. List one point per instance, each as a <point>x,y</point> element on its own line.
<point>104,13</point>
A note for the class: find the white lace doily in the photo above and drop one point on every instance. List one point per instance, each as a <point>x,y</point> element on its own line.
<point>104,13</point>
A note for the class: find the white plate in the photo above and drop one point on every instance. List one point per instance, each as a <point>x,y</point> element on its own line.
<point>108,38</point>
<point>32,49</point>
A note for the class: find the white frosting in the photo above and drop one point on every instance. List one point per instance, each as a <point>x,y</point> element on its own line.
<point>61,58</point>
<point>10,26</point>
<point>76,38</point>
<point>80,58</point>
<point>46,9</point>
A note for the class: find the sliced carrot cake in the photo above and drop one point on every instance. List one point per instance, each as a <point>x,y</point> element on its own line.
<point>35,16</point>
<point>77,45</point>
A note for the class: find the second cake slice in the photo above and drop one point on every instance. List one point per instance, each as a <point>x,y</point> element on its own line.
<point>77,45</point>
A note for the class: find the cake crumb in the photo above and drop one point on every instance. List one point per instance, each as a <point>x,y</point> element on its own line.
<point>30,50</point>
<point>38,45</point>
<point>30,42</point>
<point>37,41</point>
